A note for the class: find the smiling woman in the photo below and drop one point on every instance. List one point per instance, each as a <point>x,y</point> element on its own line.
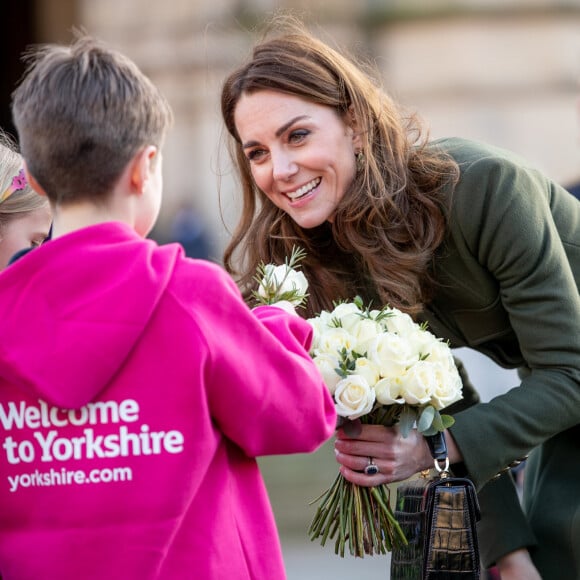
<point>308,175</point>
<point>24,215</point>
<point>463,236</point>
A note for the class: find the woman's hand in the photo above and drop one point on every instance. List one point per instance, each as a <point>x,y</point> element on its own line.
<point>517,566</point>
<point>397,457</point>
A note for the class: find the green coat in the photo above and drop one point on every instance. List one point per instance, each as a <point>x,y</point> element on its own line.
<point>508,277</point>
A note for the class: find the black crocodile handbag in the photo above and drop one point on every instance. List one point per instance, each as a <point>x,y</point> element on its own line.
<point>438,516</point>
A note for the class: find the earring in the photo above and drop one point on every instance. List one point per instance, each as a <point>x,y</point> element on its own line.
<point>360,161</point>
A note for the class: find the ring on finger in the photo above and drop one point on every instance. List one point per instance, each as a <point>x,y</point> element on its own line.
<point>372,468</point>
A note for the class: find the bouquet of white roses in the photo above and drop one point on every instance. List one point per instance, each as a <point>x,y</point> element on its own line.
<point>382,368</point>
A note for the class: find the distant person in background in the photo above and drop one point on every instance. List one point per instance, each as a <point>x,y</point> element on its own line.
<point>188,229</point>
<point>24,215</point>
<point>574,189</point>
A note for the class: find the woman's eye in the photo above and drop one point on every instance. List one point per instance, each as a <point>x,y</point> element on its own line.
<point>298,136</point>
<point>256,154</point>
<point>36,242</point>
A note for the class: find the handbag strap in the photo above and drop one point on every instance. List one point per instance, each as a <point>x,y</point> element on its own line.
<point>438,448</point>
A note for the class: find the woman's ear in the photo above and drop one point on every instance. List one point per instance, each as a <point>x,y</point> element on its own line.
<point>352,122</point>
<point>142,167</point>
<point>32,181</point>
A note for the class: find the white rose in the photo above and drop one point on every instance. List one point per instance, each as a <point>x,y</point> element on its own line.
<point>392,354</point>
<point>365,331</point>
<point>388,392</point>
<point>281,279</point>
<point>317,329</point>
<point>423,341</point>
<point>320,324</point>
<point>347,313</point>
<point>354,397</point>
<point>448,386</point>
<point>327,365</point>
<point>323,319</point>
<point>333,340</point>
<point>400,323</point>
<point>439,352</point>
<point>367,369</point>
<point>419,383</point>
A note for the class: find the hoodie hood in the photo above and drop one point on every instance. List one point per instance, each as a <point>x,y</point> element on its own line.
<point>73,309</point>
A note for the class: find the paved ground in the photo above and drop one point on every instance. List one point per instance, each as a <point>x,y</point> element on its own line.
<point>307,560</point>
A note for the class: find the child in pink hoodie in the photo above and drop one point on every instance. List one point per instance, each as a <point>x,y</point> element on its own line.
<point>136,386</point>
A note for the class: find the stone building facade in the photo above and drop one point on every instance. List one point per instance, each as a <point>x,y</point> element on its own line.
<point>505,72</point>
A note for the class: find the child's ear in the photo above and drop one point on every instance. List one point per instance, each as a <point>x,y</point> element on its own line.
<point>142,167</point>
<point>32,181</point>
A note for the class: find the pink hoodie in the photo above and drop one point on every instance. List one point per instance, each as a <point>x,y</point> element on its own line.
<point>136,389</point>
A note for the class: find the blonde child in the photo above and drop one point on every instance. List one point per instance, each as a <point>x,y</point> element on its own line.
<point>24,215</point>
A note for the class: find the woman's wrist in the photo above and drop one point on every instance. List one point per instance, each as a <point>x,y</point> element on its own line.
<point>517,565</point>
<point>453,451</point>
<point>426,459</point>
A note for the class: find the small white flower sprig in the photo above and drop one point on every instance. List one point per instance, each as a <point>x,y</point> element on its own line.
<point>284,283</point>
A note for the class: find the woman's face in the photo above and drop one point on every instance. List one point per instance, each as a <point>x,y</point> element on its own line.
<point>302,155</point>
<point>27,231</point>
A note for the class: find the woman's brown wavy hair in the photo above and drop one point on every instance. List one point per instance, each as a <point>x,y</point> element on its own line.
<point>392,218</point>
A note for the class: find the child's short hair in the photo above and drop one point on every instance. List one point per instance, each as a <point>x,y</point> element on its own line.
<point>82,112</point>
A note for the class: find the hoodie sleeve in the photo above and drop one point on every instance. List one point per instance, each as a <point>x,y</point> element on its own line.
<point>263,389</point>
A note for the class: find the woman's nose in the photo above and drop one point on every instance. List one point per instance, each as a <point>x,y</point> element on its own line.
<point>283,166</point>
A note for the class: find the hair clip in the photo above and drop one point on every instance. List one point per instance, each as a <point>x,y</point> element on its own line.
<point>18,183</point>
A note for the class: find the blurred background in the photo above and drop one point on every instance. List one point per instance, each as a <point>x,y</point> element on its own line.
<point>501,71</point>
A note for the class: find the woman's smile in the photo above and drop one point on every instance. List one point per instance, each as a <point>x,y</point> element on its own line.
<point>305,189</point>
